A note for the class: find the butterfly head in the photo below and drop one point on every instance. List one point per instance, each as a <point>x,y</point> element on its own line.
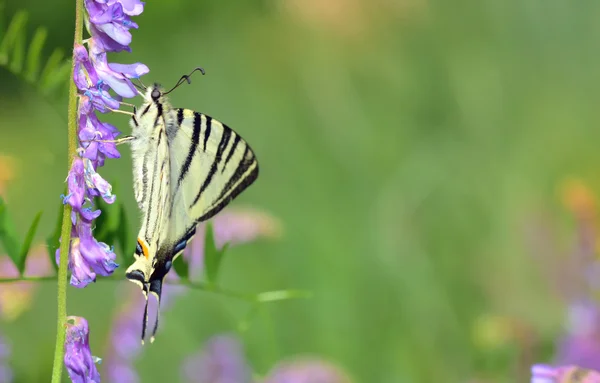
<point>154,93</point>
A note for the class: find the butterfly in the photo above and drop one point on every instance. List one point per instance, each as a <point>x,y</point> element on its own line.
<point>187,167</point>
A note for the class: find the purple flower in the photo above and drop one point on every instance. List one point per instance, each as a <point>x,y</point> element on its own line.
<point>232,227</point>
<point>16,297</point>
<point>130,7</point>
<point>79,361</point>
<point>108,22</point>
<point>221,361</point>
<point>541,373</point>
<point>581,345</point>
<point>124,342</point>
<point>117,76</point>
<point>85,75</point>
<point>88,257</point>
<point>306,371</point>
<point>6,374</point>
<point>76,185</point>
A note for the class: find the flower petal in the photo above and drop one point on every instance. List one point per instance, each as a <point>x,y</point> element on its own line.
<point>76,185</point>
<point>132,7</point>
<point>130,70</point>
<point>80,363</point>
<point>96,183</point>
<point>81,272</point>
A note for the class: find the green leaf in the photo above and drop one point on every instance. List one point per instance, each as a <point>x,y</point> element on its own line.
<point>8,234</point>
<point>211,261</point>
<point>2,9</point>
<point>27,244</point>
<point>13,43</point>
<point>107,223</point>
<point>123,232</point>
<point>182,268</point>
<point>34,54</point>
<point>47,77</point>
<point>25,59</point>
<point>53,241</point>
<point>212,256</point>
<point>57,78</point>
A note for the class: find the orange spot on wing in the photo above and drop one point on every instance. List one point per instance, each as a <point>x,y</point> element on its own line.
<point>144,248</point>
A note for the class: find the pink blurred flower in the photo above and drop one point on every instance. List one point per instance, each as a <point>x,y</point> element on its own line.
<point>15,297</point>
<point>233,227</point>
<point>541,373</point>
<point>307,370</point>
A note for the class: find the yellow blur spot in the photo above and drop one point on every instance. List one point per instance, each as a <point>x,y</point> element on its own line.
<point>7,166</point>
<point>490,332</point>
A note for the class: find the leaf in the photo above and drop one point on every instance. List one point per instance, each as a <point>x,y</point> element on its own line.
<point>212,256</point>
<point>107,222</point>
<point>53,241</point>
<point>57,78</point>
<point>47,77</point>
<point>34,54</point>
<point>8,234</point>
<point>14,40</point>
<point>123,231</point>
<point>25,59</point>
<point>27,244</point>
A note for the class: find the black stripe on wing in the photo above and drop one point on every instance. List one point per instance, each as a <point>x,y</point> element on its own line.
<point>230,191</point>
<point>208,129</point>
<point>236,141</point>
<point>213,168</point>
<point>179,116</point>
<point>192,152</point>
<point>159,112</point>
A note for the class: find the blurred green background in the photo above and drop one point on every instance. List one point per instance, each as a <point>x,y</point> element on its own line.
<point>407,146</point>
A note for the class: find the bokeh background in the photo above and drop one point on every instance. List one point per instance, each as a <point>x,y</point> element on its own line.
<point>433,166</point>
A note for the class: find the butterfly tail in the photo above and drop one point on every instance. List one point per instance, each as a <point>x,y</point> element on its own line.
<point>156,289</point>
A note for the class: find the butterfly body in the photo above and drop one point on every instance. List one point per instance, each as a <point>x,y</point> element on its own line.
<point>186,168</point>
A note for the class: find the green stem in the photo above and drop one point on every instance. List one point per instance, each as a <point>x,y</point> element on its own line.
<point>59,348</point>
<point>264,297</point>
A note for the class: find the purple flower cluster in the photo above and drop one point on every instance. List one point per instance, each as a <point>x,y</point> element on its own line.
<point>6,374</point>
<point>108,22</point>
<point>223,361</point>
<point>79,361</point>
<point>541,373</point>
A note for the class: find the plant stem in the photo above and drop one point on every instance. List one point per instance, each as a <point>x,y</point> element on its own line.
<point>59,348</point>
<point>264,297</point>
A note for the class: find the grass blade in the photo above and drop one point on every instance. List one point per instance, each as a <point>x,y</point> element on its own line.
<point>27,244</point>
<point>53,241</point>
<point>34,55</point>
<point>8,234</point>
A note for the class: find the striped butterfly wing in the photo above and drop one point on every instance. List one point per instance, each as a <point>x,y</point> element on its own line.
<point>210,165</point>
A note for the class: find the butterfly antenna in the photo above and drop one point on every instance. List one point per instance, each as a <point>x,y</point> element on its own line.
<point>186,78</point>
<point>145,320</point>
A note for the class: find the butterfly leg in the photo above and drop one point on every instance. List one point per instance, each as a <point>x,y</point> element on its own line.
<point>119,141</point>
<point>121,111</point>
